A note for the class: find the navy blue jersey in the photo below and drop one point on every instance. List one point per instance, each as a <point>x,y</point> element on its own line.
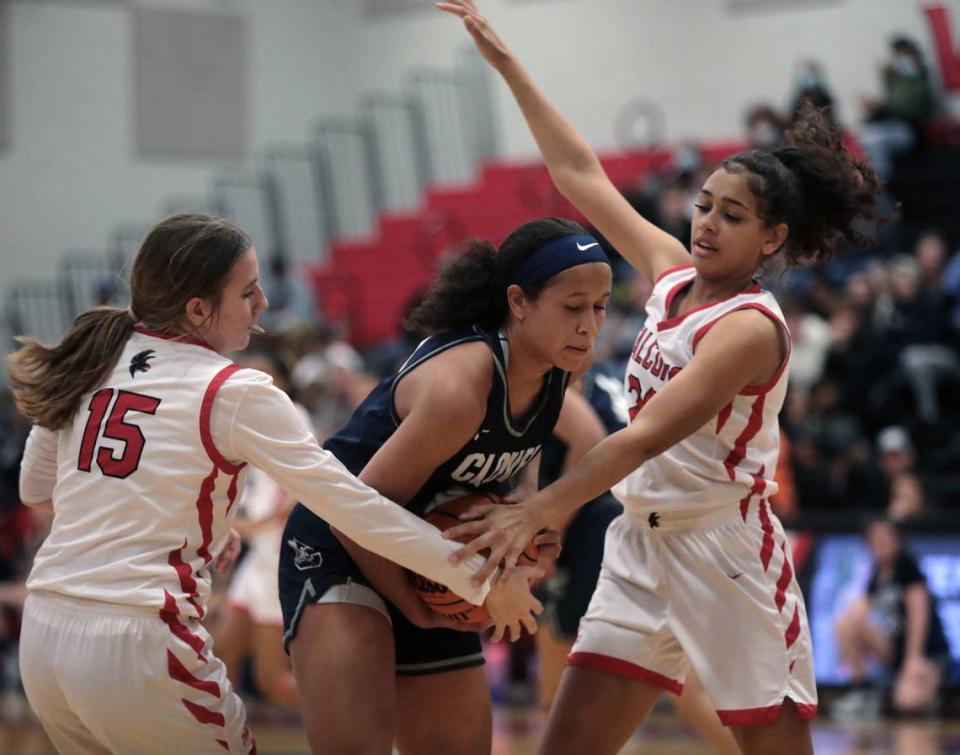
<point>313,561</point>
<point>491,460</point>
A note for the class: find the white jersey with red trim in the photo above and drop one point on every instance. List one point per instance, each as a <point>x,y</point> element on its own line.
<point>734,455</point>
<point>148,473</point>
<point>141,505</point>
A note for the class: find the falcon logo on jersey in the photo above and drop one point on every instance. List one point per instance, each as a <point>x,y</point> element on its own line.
<point>305,557</point>
<point>141,361</point>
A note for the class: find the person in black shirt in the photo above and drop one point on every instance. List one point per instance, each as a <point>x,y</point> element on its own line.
<point>896,622</point>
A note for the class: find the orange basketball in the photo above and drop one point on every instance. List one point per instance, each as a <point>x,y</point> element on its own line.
<point>438,596</point>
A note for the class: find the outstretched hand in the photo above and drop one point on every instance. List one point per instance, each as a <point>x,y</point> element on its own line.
<point>504,530</point>
<point>489,44</point>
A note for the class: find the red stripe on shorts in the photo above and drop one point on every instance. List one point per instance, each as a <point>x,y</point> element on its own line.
<point>793,631</point>
<point>761,716</point>
<point>766,549</point>
<point>786,574</point>
<point>181,673</point>
<point>168,614</point>
<point>204,715</point>
<point>618,667</point>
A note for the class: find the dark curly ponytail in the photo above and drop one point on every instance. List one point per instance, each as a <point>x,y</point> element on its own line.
<point>814,185</point>
<point>472,289</point>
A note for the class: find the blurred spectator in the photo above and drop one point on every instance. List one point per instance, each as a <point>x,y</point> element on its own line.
<point>810,337</point>
<point>931,252</point>
<point>291,298</point>
<point>765,127</point>
<point>951,286</point>
<point>810,85</point>
<point>896,624</point>
<point>387,358</point>
<point>911,313</point>
<point>674,209</point>
<point>908,499</point>
<point>894,451</point>
<point>893,124</point>
<point>855,358</point>
<point>831,457</point>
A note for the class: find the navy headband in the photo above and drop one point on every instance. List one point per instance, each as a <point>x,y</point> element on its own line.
<point>556,256</point>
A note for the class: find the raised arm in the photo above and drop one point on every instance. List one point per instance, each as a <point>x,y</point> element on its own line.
<point>573,166</point>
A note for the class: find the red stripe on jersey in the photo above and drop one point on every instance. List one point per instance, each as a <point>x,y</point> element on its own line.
<point>187,583</point>
<point>670,270</point>
<point>180,673</point>
<point>204,715</point>
<point>739,451</point>
<point>793,631</point>
<point>753,390</point>
<point>224,744</point>
<point>674,321</point>
<point>625,669</point>
<point>205,515</point>
<point>206,408</point>
<point>723,416</point>
<point>178,337</point>
<point>766,549</point>
<point>759,485</point>
<point>168,615</point>
<point>232,492</point>
<point>786,574</point>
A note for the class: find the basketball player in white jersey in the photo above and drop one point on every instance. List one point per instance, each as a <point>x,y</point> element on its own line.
<point>143,430</point>
<point>697,566</point>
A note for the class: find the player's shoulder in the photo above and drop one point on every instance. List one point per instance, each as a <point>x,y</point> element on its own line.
<point>454,383</point>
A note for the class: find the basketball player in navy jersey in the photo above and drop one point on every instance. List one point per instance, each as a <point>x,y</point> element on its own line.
<point>696,571</point>
<point>143,432</point>
<point>468,411</point>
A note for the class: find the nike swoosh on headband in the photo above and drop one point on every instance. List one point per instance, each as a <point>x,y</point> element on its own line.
<point>584,247</point>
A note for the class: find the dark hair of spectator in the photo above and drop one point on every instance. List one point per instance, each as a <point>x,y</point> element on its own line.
<point>472,289</point>
<point>183,257</point>
<point>814,185</point>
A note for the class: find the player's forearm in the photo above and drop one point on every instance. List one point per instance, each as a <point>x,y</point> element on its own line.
<point>600,469</point>
<point>567,155</point>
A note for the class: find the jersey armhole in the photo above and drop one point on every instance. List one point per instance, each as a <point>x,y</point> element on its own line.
<point>753,390</point>
<point>413,364</point>
<point>206,410</point>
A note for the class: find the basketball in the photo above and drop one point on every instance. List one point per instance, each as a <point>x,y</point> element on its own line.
<point>438,596</point>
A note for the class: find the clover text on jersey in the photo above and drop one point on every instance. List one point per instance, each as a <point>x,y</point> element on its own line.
<point>477,468</point>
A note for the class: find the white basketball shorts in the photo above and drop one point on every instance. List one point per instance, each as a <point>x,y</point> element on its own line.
<point>714,590</point>
<point>111,678</point>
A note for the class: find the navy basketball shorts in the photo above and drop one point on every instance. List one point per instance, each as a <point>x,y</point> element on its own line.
<point>316,568</point>
<point>566,595</point>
